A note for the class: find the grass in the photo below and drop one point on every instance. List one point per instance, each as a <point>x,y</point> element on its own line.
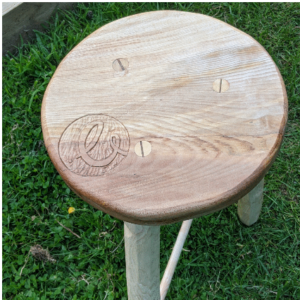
<point>225,259</point>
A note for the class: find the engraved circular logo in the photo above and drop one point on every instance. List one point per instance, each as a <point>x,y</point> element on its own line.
<point>94,145</point>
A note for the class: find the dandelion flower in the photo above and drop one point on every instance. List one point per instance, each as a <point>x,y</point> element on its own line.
<point>71,210</point>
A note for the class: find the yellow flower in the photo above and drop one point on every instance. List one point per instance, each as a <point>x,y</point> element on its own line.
<point>71,210</point>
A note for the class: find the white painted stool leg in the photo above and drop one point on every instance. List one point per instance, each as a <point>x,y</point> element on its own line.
<point>142,247</point>
<point>249,207</point>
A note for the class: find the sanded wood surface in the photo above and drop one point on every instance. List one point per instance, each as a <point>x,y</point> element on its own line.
<point>249,207</point>
<point>142,249</point>
<point>207,97</point>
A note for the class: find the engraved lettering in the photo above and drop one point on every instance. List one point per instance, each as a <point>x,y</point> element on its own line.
<point>94,145</point>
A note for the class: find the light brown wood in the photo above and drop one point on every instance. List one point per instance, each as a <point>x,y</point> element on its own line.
<point>249,207</point>
<point>142,249</point>
<point>208,148</point>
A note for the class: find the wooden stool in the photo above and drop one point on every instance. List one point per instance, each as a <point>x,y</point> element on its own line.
<point>162,117</point>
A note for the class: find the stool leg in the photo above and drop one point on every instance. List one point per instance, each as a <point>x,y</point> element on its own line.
<point>249,207</point>
<point>142,247</point>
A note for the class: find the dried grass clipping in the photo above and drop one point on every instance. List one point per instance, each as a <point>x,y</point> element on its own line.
<point>41,254</point>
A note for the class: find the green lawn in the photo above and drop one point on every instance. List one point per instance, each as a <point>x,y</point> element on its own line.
<point>223,259</point>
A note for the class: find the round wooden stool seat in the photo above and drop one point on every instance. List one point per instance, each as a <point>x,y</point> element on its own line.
<point>164,116</point>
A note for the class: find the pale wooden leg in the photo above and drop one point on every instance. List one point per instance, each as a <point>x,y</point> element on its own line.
<point>249,206</point>
<point>142,245</point>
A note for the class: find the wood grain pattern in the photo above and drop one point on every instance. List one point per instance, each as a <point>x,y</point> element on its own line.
<point>249,207</point>
<point>93,145</point>
<point>142,247</point>
<point>208,148</point>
